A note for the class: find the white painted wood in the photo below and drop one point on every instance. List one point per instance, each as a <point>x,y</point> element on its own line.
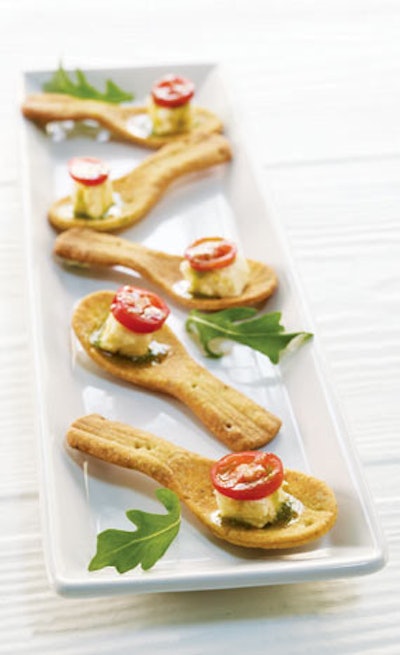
<point>317,88</point>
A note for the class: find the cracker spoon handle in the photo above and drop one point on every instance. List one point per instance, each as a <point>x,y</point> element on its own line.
<point>95,248</point>
<point>238,421</point>
<point>135,449</point>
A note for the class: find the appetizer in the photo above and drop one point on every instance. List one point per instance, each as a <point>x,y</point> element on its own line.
<point>169,105</point>
<point>136,193</point>
<point>213,267</point>
<point>92,194</point>
<point>248,488</point>
<point>167,115</point>
<point>83,246</point>
<point>134,320</point>
<point>311,507</point>
<point>231,416</point>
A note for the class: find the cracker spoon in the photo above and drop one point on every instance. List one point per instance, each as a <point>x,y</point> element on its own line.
<point>140,189</point>
<point>188,475</point>
<point>126,123</point>
<point>232,417</point>
<point>86,246</point>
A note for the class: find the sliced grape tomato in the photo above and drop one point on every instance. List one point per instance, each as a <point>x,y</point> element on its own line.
<point>172,91</point>
<point>249,475</point>
<point>89,171</point>
<point>139,310</point>
<point>210,253</point>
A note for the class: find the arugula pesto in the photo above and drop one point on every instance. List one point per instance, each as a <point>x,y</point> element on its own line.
<point>286,513</point>
<point>155,353</point>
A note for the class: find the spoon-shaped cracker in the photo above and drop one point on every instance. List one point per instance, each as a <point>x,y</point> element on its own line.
<point>232,417</point>
<point>86,246</point>
<point>126,123</point>
<point>138,191</point>
<point>188,474</point>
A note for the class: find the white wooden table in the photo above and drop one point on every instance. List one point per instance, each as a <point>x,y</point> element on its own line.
<point>318,88</point>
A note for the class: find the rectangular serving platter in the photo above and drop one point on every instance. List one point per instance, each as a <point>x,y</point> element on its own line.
<point>81,496</point>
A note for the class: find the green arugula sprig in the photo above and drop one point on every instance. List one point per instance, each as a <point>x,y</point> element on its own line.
<point>60,82</point>
<point>146,545</point>
<point>263,333</point>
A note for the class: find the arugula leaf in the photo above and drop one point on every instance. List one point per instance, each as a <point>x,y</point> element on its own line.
<point>62,83</point>
<point>146,545</point>
<point>263,333</point>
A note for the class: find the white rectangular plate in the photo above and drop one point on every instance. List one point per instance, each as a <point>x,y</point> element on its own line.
<point>81,498</point>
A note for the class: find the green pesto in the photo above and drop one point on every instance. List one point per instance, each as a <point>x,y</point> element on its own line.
<point>155,354</point>
<point>285,515</point>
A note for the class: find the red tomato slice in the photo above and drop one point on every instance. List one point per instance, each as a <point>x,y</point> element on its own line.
<point>89,171</point>
<point>172,91</point>
<point>210,253</point>
<point>139,310</point>
<point>249,475</point>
